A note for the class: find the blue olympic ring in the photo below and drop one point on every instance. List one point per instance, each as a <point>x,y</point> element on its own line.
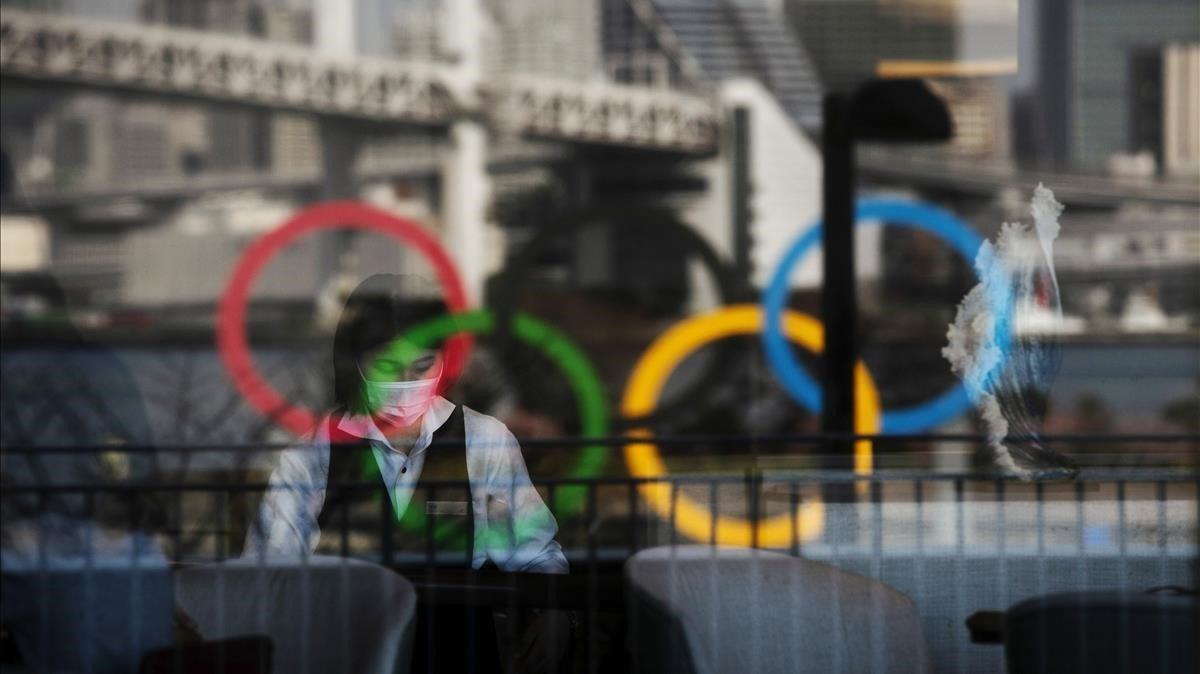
<point>800,385</point>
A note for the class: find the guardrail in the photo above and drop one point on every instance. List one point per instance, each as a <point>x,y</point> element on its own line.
<point>956,541</point>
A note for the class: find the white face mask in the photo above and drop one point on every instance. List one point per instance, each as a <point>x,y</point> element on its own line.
<point>401,402</point>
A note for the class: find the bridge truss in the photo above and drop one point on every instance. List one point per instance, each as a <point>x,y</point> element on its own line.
<point>172,61</point>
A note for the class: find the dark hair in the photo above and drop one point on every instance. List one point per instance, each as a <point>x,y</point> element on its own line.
<point>382,307</point>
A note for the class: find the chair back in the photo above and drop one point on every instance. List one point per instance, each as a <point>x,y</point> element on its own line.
<point>1102,631</point>
<point>322,614</point>
<point>704,610</point>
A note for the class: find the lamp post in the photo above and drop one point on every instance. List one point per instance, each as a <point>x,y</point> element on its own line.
<point>890,111</point>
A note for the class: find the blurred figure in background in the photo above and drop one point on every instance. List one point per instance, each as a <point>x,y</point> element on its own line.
<point>76,516</point>
<point>61,391</point>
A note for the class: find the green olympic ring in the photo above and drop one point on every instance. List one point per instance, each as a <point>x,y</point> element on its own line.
<point>570,359</point>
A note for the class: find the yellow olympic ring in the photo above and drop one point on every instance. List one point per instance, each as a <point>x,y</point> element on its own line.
<point>644,461</point>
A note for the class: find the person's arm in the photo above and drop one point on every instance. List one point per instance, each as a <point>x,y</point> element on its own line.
<point>287,519</point>
<point>520,528</point>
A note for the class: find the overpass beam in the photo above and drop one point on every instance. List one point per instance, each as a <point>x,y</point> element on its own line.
<point>337,267</point>
<point>465,189</point>
<point>465,194</point>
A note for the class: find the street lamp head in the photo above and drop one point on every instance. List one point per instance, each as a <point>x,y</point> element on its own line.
<point>900,111</point>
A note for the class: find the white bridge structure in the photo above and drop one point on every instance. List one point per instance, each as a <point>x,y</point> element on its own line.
<point>205,65</point>
<point>453,88</point>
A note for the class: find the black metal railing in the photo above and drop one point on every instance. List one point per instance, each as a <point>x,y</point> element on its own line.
<point>956,540</point>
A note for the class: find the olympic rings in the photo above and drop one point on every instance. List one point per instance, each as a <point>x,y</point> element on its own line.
<point>644,461</point>
<point>231,309</point>
<point>646,382</point>
<point>589,391</point>
<point>799,384</point>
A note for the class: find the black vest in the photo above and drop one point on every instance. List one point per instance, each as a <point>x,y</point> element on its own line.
<point>438,526</point>
<point>448,638</point>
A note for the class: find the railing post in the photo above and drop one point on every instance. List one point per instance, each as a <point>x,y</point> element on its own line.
<point>838,307</point>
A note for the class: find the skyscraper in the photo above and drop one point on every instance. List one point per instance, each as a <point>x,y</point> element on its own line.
<point>1091,82</point>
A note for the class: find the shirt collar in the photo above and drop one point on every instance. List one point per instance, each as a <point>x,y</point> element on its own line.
<point>363,426</point>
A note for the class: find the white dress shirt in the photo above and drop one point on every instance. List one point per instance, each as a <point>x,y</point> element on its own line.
<point>513,527</point>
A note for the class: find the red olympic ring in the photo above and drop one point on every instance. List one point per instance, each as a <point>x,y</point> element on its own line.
<point>231,309</point>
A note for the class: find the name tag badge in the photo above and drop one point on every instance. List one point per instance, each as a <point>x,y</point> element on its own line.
<point>459,508</point>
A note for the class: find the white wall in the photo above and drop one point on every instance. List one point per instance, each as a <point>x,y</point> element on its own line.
<point>786,179</point>
<point>24,243</point>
